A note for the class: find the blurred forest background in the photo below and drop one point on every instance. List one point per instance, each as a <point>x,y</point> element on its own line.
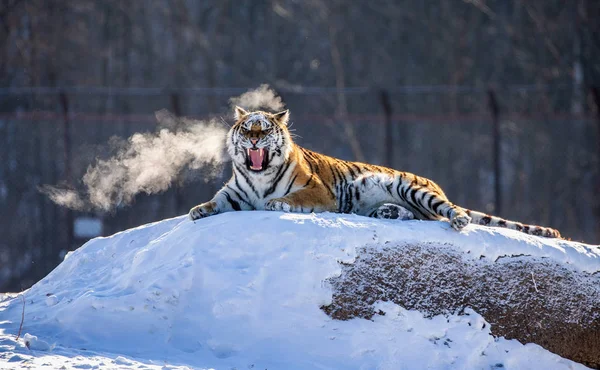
<point>496,100</point>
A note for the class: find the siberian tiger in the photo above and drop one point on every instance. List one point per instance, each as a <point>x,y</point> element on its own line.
<point>271,172</point>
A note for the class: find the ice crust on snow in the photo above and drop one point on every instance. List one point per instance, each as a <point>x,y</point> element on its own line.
<point>219,292</point>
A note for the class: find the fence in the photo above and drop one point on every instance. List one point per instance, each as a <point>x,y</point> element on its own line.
<point>521,152</point>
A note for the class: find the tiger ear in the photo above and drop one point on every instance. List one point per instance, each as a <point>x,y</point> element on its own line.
<point>283,116</point>
<point>239,112</point>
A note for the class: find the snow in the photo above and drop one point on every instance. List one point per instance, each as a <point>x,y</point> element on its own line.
<point>244,290</point>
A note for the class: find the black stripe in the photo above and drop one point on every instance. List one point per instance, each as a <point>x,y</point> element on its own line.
<point>485,220</point>
<point>389,187</point>
<point>282,139</point>
<point>239,196</point>
<point>356,167</point>
<point>347,193</point>
<point>239,187</point>
<point>398,191</point>
<point>308,182</point>
<point>333,175</point>
<point>413,196</point>
<point>451,208</point>
<point>311,158</point>
<point>309,154</point>
<point>247,180</point>
<point>317,171</point>
<point>336,184</point>
<point>405,190</point>
<point>344,185</point>
<point>278,177</point>
<point>430,201</point>
<point>437,205</point>
<point>352,173</point>
<point>422,199</point>
<point>310,164</point>
<point>348,204</point>
<point>290,185</point>
<point>235,205</point>
<point>417,206</point>
<point>330,190</point>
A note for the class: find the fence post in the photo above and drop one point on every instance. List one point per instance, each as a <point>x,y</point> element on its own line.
<point>596,96</point>
<point>176,106</point>
<point>64,103</point>
<point>495,111</point>
<point>384,97</point>
<point>176,103</point>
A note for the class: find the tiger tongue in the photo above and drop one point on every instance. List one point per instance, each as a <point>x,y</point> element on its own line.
<point>256,157</point>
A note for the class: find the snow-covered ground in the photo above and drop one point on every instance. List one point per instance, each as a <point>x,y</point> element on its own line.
<point>243,290</point>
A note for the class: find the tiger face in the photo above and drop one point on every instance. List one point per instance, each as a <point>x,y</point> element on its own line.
<point>259,141</point>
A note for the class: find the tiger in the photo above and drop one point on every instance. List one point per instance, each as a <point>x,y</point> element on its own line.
<point>271,172</point>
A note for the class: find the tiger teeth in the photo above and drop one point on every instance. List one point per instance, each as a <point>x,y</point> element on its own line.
<point>261,152</point>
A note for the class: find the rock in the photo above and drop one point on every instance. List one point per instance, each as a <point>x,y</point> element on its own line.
<point>531,299</point>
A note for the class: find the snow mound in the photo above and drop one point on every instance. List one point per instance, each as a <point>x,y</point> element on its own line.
<point>245,290</point>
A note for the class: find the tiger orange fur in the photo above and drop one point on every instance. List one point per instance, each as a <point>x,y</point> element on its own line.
<point>271,172</point>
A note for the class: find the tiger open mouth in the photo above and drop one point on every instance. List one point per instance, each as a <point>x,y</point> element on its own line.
<point>256,159</point>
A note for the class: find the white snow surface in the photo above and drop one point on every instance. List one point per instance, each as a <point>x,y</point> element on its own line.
<point>243,290</point>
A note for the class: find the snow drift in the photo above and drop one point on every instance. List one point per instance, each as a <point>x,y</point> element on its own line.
<point>268,290</point>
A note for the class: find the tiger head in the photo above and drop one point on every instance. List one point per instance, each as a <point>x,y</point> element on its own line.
<point>259,141</point>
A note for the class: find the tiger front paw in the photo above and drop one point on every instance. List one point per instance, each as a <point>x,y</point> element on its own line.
<point>278,204</point>
<point>459,220</point>
<point>203,210</point>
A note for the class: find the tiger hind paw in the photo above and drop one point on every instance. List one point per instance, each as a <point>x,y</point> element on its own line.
<point>390,211</point>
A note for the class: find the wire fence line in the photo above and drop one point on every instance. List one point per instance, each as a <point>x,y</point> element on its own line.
<point>308,90</point>
<point>46,117</point>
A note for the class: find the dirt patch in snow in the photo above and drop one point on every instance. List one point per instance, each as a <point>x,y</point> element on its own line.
<point>533,300</point>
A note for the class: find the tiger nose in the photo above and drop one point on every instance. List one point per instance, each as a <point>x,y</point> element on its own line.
<point>253,140</point>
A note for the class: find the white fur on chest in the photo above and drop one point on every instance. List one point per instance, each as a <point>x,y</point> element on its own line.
<point>261,187</point>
